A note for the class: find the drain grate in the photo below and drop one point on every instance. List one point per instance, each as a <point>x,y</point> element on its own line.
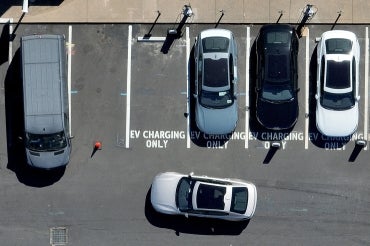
<point>58,236</point>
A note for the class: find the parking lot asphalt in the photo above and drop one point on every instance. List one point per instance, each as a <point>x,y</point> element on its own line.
<point>136,98</point>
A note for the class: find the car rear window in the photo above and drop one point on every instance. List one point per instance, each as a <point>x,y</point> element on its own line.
<point>338,74</point>
<point>277,37</point>
<point>338,46</point>
<point>239,200</point>
<point>215,44</point>
<point>215,72</point>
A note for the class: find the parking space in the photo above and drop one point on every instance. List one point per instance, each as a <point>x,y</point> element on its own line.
<point>248,132</point>
<point>316,138</point>
<point>137,100</point>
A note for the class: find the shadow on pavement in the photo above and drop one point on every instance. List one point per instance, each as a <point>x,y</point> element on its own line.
<point>192,225</point>
<point>270,154</point>
<point>355,153</point>
<point>4,44</point>
<point>15,132</point>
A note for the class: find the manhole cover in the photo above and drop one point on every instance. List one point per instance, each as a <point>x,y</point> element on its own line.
<point>58,236</point>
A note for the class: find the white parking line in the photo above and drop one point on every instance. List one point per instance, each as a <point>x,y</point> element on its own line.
<point>307,88</point>
<point>10,55</point>
<point>187,89</point>
<point>247,55</point>
<point>69,72</point>
<point>366,99</point>
<point>128,98</point>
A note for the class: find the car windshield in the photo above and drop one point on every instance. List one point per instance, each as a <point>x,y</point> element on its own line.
<point>211,197</point>
<point>277,92</point>
<point>46,142</point>
<point>216,72</point>
<point>183,194</point>
<point>215,44</point>
<point>337,101</point>
<point>216,99</point>
<point>239,200</point>
<point>338,74</point>
<point>338,46</point>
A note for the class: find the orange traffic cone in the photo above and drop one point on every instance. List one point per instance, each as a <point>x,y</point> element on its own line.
<point>97,145</point>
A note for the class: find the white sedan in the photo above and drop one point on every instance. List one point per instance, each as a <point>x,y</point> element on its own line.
<point>337,95</point>
<point>202,196</point>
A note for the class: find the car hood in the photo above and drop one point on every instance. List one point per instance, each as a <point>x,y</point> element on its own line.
<point>217,121</point>
<point>252,200</point>
<point>163,192</point>
<point>48,160</point>
<point>334,123</point>
<point>277,116</point>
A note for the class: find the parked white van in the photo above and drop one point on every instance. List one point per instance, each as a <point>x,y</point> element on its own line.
<point>45,96</point>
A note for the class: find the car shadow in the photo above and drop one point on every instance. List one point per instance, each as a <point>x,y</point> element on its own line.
<point>6,4</point>
<point>318,139</point>
<point>198,137</point>
<point>4,44</point>
<point>15,132</point>
<point>192,225</point>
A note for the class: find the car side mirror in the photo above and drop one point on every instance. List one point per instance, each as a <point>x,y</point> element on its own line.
<point>358,98</point>
<point>298,89</point>
<point>316,96</point>
<point>195,95</point>
<point>186,215</point>
<point>191,174</point>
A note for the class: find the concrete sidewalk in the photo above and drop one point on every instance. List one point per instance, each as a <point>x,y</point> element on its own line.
<point>205,11</point>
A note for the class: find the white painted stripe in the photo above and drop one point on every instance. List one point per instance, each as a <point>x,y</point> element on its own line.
<point>307,88</point>
<point>366,99</point>
<point>10,54</point>
<point>69,72</point>
<point>151,39</point>
<point>187,89</point>
<point>247,55</point>
<point>128,98</point>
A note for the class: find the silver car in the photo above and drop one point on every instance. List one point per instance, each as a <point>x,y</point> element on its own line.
<point>202,196</point>
<point>216,107</point>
